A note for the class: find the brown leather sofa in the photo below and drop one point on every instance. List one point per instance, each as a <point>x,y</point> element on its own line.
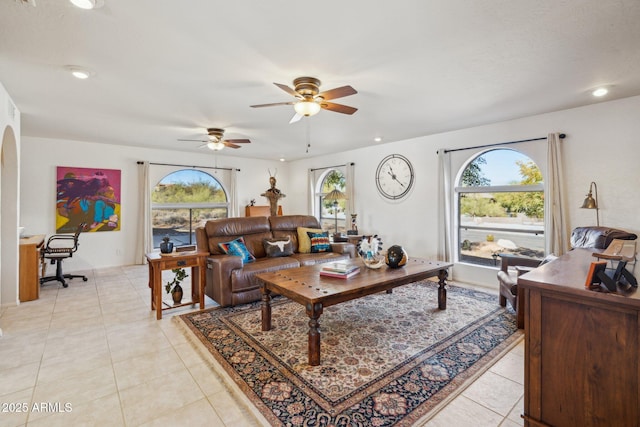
<point>228,280</point>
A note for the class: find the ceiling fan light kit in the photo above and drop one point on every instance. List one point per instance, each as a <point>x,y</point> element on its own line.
<point>307,108</point>
<point>84,4</point>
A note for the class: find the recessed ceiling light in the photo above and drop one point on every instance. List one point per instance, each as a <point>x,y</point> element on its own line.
<point>377,139</point>
<point>282,160</point>
<point>84,4</point>
<point>79,72</point>
<point>601,91</point>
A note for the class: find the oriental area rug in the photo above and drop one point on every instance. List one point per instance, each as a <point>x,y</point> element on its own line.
<point>386,359</point>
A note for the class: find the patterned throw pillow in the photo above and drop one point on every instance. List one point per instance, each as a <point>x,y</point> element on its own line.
<point>319,242</point>
<point>278,247</point>
<point>237,247</point>
<point>304,243</point>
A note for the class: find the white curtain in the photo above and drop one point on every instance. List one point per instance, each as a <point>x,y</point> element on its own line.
<point>556,221</point>
<point>144,242</point>
<point>445,233</point>
<point>350,191</point>
<point>311,196</point>
<point>233,194</point>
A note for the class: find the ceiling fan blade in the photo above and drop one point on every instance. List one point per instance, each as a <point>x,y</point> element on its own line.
<point>238,141</point>
<point>193,140</point>
<point>288,90</point>
<point>202,146</point>
<point>230,145</point>
<point>338,92</point>
<point>295,118</point>
<point>338,108</point>
<point>273,104</point>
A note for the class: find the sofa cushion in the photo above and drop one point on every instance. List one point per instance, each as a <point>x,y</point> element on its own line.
<point>287,226</point>
<point>252,229</point>
<point>238,248</point>
<point>304,241</point>
<point>319,242</point>
<point>278,247</point>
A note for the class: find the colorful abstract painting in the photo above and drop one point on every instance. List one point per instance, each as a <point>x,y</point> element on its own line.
<point>87,195</point>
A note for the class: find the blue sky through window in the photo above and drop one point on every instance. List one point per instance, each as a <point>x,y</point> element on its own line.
<point>501,167</point>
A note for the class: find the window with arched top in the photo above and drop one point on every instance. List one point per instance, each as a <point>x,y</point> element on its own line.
<point>500,195</point>
<point>184,200</point>
<point>332,207</point>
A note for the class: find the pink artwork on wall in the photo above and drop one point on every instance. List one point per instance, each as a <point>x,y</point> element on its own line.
<point>87,195</point>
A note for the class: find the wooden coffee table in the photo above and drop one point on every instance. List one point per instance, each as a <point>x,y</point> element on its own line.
<point>305,286</point>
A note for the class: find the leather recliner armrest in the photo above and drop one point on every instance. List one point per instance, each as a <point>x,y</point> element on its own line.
<point>219,268</point>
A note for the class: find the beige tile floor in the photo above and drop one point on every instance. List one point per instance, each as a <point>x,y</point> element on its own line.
<point>94,354</point>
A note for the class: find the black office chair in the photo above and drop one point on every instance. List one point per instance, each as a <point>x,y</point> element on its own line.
<point>59,247</point>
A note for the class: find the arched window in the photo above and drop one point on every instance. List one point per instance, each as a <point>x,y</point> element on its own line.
<point>500,196</point>
<point>332,212</point>
<point>182,201</point>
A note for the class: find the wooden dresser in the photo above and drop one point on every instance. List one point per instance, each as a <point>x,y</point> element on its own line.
<point>30,267</point>
<point>582,356</point>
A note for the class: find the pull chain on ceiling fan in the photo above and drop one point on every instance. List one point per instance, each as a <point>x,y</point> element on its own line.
<point>214,140</point>
<point>310,100</point>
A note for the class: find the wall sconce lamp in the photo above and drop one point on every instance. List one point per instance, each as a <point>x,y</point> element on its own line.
<point>335,195</point>
<point>592,203</point>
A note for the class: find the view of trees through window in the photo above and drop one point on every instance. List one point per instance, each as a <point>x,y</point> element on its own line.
<point>183,201</point>
<point>501,207</point>
<point>328,211</point>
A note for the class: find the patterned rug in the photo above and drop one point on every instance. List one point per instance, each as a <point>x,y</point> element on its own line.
<point>386,359</point>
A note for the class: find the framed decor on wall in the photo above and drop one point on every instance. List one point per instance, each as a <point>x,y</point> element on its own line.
<point>87,195</point>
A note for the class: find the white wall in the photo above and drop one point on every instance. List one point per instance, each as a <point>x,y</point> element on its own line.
<point>41,156</point>
<point>602,145</point>
<point>9,190</point>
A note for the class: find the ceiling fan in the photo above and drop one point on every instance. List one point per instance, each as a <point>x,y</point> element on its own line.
<point>215,142</point>
<point>310,100</point>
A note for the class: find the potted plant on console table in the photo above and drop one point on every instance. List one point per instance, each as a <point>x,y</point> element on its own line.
<point>174,287</point>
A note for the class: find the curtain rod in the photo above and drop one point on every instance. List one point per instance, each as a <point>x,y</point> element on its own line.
<point>188,166</point>
<point>562,136</point>
<point>329,167</point>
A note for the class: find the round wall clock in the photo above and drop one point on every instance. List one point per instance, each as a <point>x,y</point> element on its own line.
<point>394,176</point>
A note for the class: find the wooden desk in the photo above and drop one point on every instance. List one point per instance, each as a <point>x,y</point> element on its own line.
<point>30,267</point>
<point>582,354</point>
<point>158,263</point>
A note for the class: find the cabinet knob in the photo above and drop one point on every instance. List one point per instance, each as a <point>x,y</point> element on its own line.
<point>182,263</point>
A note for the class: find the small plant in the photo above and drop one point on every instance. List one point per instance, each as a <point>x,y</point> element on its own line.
<point>180,275</point>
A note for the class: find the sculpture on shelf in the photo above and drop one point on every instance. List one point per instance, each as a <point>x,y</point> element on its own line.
<point>273,194</point>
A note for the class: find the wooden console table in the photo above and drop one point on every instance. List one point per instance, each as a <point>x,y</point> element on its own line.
<point>582,353</point>
<point>158,263</point>
<point>260,210</point>
<point>30,267</point>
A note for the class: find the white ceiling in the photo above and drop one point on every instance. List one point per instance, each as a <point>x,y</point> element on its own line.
<point>165,70</point>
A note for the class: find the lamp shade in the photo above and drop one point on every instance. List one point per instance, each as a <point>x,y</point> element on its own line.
<point>335,195</point>
<point>589,202</point>
<point>307,108</point>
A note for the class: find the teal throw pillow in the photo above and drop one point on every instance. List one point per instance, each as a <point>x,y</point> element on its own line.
<point>319,242</point>
<point>238,248</point>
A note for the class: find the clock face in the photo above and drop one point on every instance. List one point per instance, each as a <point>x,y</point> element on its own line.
<point>394,176</point>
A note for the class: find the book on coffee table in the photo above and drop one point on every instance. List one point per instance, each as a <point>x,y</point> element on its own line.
<point>350,273</point>
<point>339,267</point>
